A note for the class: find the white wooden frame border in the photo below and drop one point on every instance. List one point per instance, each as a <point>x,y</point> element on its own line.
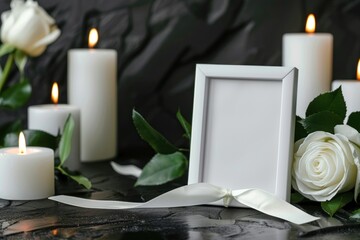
<point>288,79</point>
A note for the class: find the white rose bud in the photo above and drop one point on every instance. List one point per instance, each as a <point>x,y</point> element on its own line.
<point>324,165</point>
<point>28,27</point>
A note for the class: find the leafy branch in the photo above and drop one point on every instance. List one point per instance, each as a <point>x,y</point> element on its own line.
<point>169,162</point>
<point>64,152</point>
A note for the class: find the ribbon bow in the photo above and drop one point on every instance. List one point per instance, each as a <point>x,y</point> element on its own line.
<point>203,193</point>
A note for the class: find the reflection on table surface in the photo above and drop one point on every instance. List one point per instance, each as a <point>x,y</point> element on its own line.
<point>51,220</point>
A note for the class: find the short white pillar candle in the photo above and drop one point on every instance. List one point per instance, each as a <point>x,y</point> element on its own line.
<point>51,118</point>
<point>26,175</point>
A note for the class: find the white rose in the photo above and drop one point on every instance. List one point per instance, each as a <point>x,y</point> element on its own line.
<point>324,165</point>
<point>28,27</point>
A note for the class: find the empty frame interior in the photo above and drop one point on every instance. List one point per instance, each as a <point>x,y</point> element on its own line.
<point>244,114</point>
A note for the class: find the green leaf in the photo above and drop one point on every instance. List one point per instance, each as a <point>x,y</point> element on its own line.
<point>82,180</point>
<point>15,96</point>
<point>163,168</point>
<point>9,128</point>
<point>185,124</point>
<point>354,120</point>
<point>321,121</point>
<point>300,131</point>
<point>77,178</point>
<point>157,141</point>
<point>355,214</point>
<point>65,140</point>
<point>6,49</point>
<point>338,202</point>
<point>331,101</point>
<point>296,198</point>
<point>33,138</point>
<point>20,60</point>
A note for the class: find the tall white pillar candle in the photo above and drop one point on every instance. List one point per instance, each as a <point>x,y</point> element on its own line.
<point>351,92</point>
<point>26,175</point>
<point>92,87</point>
<point>51,118</point>
<point>312,54</point>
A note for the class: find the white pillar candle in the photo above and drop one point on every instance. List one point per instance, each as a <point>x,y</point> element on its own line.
<point>92,87</point>
<point>351,92</point>
<point>312,54</point>
<point>26,175</point>
<point>51,118</point>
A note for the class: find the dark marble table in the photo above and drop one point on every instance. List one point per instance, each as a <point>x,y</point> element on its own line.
<point>45,219</point>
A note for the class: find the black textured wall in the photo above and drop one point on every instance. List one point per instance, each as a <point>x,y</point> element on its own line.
<point>160,41</point>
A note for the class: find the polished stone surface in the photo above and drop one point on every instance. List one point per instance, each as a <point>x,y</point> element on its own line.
<point>45,219</point>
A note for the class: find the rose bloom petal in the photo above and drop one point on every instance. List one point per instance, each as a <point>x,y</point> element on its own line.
<point>323,166</point>
<point>31,28</point>
<point>28,27</point>
<point>354,136</point>
<point>350,133</point>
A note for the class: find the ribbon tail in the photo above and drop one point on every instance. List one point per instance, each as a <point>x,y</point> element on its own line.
<point>271,205</point>
<point>95,204</point>
<point>190,195</point>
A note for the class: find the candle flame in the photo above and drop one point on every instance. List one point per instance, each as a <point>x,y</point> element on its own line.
<point>93,37</point>
<point>22,143</point>
<point>358,71</point>
<point>55,93</point>
<point>310,24</point>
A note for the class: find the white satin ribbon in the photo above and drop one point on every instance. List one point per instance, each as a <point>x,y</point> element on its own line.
<point>131,170</point>
<point>199,194</point>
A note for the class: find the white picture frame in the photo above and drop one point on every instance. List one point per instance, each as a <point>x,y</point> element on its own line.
<point>243,127</point>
